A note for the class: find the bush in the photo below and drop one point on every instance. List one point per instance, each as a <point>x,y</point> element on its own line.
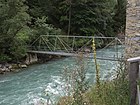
<point>4,58</point>
<point>115,92</point>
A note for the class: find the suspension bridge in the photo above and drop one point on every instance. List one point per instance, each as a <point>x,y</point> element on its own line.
<point>64,45</point>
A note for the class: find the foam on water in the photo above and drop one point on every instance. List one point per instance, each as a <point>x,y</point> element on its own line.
<point>50,88</point>
<point>4,81</point>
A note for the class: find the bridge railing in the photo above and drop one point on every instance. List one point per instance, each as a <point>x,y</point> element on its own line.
<point>75,44</point>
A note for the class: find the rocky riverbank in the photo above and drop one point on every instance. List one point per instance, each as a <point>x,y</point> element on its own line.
<point>6,67</point>
<point>15,67</point>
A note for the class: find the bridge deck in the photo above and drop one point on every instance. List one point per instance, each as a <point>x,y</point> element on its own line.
<point>89,55</point>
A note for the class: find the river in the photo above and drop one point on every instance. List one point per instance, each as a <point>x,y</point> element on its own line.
<point>29,85</point>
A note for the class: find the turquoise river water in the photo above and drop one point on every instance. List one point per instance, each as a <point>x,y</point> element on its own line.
<point>29,85</point>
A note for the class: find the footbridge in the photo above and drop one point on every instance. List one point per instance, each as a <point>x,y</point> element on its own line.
<point>64,45</point>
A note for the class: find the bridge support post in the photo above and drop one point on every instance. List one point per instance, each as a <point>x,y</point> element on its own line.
<point>133,79</point>
<point>31,58</point>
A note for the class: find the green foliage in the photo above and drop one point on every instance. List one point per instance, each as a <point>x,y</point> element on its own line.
<point>16,30</point>
<point>4,58</point>
<point>86,17</point>
<point>120,16</point>
<point>18,50</point>
<point>43,28</point>
<point>115,92</point>
<point>13,27</point>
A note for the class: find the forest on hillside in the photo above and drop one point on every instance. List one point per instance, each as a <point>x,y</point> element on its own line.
<point>22,21</point>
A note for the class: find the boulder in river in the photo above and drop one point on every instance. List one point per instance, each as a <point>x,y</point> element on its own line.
<point>23,66</point>
<point>15,66</point>
<point>5,68</point>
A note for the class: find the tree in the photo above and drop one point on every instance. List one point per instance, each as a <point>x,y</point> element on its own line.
<point>13,28</point>
<point>82,17</point>
<point>120,16</point>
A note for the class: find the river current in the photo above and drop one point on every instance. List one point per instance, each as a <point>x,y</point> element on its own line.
<point>30,85</point>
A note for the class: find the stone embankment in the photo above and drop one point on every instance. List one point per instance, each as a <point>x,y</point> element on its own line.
<point>5,68</point>
<point>10,67</point>
<point>14,67</point>
<point>30,59</point>
<point>132,39</point>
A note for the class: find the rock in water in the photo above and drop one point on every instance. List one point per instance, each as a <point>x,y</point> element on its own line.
<point>23,66</point>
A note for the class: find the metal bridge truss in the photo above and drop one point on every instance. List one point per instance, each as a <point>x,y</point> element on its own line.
<point>71,45</point>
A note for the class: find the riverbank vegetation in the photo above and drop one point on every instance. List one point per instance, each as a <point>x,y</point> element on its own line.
<point>22,21</point>
<point>106,92</point>
<point>114,92</point>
